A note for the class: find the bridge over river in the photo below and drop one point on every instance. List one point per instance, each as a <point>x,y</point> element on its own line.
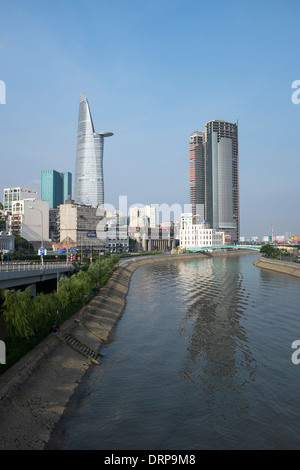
<point>22,274</point>
<point>224,247</point>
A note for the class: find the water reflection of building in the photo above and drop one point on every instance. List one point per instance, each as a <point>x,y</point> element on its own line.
<point>217,352</point>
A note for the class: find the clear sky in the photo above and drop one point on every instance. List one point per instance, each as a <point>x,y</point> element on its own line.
<point>154,72</point>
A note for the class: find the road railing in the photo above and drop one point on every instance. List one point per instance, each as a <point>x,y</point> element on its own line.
<point>13,267</point>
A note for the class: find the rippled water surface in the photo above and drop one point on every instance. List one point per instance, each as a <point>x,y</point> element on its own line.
<point>201,359</point>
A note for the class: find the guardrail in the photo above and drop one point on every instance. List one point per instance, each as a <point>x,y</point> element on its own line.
<point>14,267</point>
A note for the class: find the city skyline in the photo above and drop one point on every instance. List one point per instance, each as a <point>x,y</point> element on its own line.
<point>140,88</point>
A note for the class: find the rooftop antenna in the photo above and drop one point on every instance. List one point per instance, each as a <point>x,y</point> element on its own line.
<point>272,225</point>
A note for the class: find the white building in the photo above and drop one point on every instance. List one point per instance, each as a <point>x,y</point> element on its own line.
<point>138,217</point>
<point>193,235</point>
<point>145,216</point>
<point>152,213</point>
<point>11,195</point>
<point>30,219</point>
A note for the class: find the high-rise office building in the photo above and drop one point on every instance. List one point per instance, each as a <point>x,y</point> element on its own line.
<point>67,185</point>
<point>56,187</point>
<point>197,171</point>
<point>222,177</point>
<point>89,183</point>
<point>218,174</point>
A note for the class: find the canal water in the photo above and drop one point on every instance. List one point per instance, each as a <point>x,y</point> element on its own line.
<point>201,359</point>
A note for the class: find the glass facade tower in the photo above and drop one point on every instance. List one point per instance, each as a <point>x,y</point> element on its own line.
<point>214,176</point>
<point>89,182</point>
<point>56,187</point>
<point>222,178</point>
<point>67,185</point>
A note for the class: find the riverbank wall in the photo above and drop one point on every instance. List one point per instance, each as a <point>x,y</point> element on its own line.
<point>34,393</point>
<point>283,267</point>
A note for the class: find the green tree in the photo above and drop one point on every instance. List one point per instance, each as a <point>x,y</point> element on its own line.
<point>80,284</point>
<point>94,272</point>
<point>21,244</point>
<point>100,270</point>
<point>270,251</point>
<point>63,293</point>
<point>18,312</point>
<point>43,306</point>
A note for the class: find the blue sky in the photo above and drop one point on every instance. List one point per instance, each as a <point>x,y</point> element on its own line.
<point>154,72</point>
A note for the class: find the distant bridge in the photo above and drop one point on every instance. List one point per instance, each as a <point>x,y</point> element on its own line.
<point>20,274</point>
<point>225,247</point>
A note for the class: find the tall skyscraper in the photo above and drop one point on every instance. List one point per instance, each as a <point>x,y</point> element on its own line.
<point>89,184</point>
<point>219,176</point>
<point>67,185</point>
<point>197,171</point>
<point>56,187</point>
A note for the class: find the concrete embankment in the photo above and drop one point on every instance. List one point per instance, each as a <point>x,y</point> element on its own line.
<point>283,267</point>
<point>35,391</point>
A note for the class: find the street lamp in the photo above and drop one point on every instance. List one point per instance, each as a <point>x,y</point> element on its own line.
<point>35,209</point>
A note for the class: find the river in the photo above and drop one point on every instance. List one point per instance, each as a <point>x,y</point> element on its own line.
<point>201,359</point>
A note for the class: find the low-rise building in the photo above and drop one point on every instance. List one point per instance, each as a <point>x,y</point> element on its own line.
<point>117,245</point>
<point>195,235</point>
<point>3,220</point>
<point>30,219</point>
<point>7,243</point>
<point>80,223</point>
<point>152,239</point>
<point>292,250</point>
